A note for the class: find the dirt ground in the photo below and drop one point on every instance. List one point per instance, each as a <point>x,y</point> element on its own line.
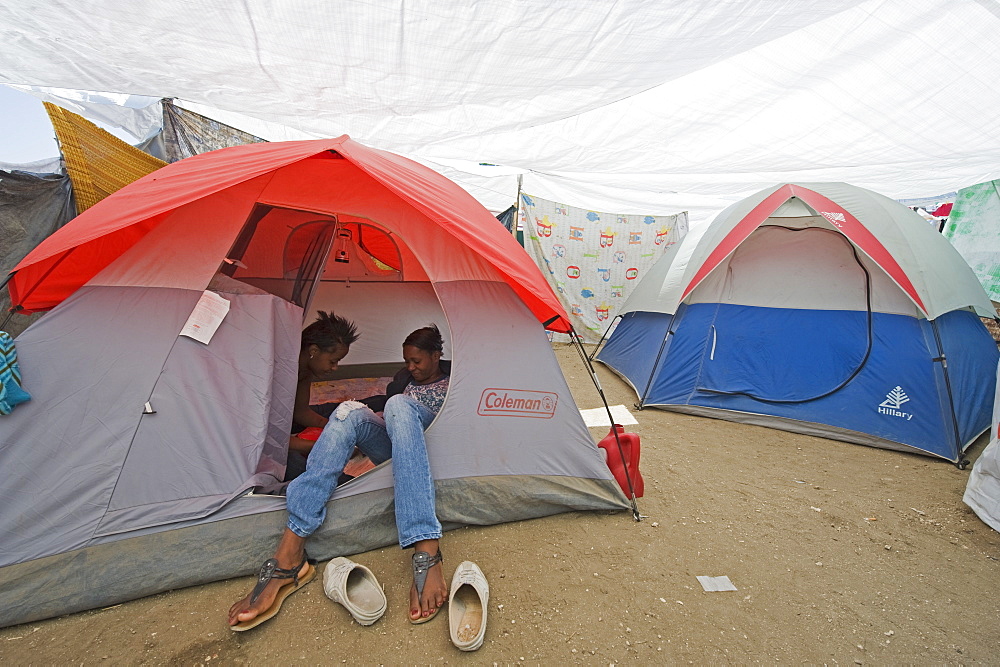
<point>840,554</point>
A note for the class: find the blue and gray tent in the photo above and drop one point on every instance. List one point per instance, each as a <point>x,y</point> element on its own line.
<point>821,308</point>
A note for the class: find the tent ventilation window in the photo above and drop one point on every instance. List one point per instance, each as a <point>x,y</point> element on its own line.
<point>285,252</point>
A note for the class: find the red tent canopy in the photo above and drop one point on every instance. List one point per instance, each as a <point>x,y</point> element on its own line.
<point>73,255</point>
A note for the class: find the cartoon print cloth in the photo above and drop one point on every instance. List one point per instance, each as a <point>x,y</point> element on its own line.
<point>11,392</point>
<point>594,260</point>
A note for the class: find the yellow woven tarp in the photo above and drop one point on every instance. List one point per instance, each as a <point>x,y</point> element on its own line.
<point>98,163</point>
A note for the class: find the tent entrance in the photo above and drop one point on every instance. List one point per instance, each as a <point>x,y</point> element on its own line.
<point>800,351</point>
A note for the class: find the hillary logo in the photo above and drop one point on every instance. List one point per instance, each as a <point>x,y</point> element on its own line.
<point>893,402</point>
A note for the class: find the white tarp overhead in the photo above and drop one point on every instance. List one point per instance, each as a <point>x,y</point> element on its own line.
<point>627,106</point>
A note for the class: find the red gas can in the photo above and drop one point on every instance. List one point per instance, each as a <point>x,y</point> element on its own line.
<point>630,448</point>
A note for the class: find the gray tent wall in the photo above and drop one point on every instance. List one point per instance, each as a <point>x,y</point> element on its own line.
<point>108,500</point>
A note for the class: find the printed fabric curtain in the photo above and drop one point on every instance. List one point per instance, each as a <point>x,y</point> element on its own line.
<point>594,260</point>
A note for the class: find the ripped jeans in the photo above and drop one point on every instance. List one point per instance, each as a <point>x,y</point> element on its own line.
<point>399,436</point>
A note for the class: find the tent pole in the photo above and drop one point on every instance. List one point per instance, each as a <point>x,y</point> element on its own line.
<point>45,275</point>
<point>656,362</point>
<point>12,309</point>
<point>517,206</point>
<point>603,337</point>
<point>611,419</point>
<point>962,461</point>
<point>10,314</point>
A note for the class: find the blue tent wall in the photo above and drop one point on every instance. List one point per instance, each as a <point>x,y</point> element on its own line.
<point>972,357</point>
<point>791,355</point>
<point>632,349</point>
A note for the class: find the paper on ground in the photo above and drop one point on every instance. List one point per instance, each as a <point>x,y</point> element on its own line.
<point>713,584</point>
<point>206,317</point>
<point>599,416</point>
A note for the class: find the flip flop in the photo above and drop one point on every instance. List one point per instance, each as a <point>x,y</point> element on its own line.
<point>355,587</point>
<point>268,571</point>
<point>422,562</point>
<point>467,606</point>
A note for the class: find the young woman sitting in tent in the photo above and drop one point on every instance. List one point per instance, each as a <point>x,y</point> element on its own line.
<point>309,420</point>
<point>398,435</point>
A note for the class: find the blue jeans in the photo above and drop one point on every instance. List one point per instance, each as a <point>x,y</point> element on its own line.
<point>399,436</point>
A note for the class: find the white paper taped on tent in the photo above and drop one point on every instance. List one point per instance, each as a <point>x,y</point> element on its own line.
<point>206,317</point>
<point>599,416</point>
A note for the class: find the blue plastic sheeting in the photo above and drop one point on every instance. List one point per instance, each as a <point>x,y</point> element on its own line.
<point>784,362</point>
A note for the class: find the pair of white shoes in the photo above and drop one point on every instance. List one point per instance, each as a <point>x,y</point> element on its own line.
<point>354,586</point>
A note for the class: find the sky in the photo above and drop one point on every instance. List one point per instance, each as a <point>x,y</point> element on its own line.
<point>28,135</point>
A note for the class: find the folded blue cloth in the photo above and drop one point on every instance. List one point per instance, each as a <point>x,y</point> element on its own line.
<point>11,392</point>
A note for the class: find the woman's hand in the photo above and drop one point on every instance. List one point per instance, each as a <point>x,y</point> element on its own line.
<point>297,444</point>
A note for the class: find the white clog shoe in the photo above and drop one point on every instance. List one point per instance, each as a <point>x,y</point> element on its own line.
<point>467,607</point>
<point>355,587</point>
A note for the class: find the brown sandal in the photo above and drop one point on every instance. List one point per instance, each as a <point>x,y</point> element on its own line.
<point>422,562</point>
<point>268,571</point>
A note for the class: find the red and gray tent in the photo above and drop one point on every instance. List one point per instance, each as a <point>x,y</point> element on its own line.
<point>143,451</point>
